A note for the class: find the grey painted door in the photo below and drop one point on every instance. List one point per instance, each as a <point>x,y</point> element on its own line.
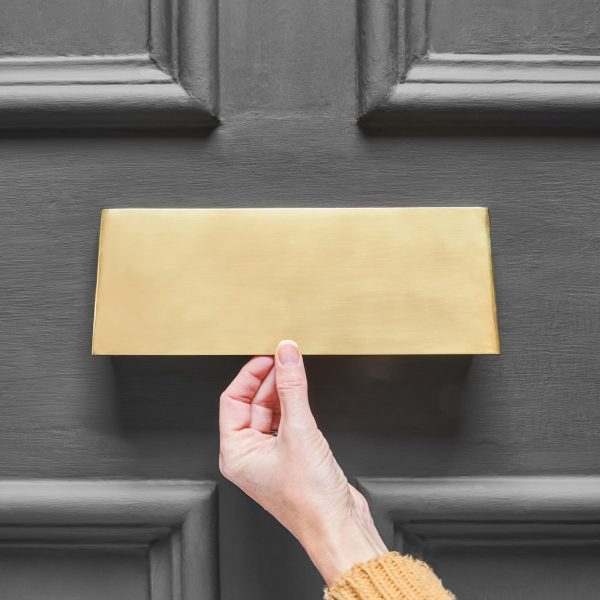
<point>487,462</point>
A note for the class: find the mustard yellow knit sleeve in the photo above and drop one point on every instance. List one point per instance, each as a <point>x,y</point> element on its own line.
<point>389,577</point>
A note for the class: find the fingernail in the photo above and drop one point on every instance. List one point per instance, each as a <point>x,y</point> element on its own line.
<point>288,353</point>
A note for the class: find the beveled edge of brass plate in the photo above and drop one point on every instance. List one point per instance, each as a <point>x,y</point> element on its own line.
<point>99,254</point>
<point>492,286</point>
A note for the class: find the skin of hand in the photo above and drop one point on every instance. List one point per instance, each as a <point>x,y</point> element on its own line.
<point>293,475</point>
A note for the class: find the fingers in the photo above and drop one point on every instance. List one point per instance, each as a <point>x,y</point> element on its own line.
<point>290,379</point>
<point>268,392</point>
<point>235,405</point>
<point>265,406</point>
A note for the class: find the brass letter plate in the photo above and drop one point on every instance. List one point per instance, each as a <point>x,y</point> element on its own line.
<point>336,280</point>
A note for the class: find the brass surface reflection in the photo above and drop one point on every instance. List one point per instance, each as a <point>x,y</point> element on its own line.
<point>336,280</point>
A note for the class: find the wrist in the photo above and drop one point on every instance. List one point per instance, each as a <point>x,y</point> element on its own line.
<point>335,548</point>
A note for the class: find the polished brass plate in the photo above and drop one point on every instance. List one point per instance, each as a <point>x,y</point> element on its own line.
<point>336,280</point>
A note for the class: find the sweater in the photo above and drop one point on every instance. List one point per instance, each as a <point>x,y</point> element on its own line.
<point>388,577</point>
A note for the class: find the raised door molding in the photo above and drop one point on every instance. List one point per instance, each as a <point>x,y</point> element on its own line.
<point>174,520</point>
<point>401,81</point>
<point>517,537</point>
<point>173,85</point>
<point>415,513</point>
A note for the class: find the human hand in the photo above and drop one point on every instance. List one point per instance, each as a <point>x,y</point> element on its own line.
<point>293,475</point>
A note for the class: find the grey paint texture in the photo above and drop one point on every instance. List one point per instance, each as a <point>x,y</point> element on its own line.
<point>290,89</point>
<point>536,26</point>
<point>83,27</point>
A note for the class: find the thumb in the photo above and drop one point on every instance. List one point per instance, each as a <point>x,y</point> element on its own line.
<point>292,389</point>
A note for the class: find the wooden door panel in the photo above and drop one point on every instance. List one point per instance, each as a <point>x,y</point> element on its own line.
<point>73,27</point>
<point>281,78</point>
<point>498,538</point>
<point>73,573</point>
<point>124,539</point>
<point>519,571</point>
<point>145,64</point>
<point>511,26</point>
<point>476,67</point>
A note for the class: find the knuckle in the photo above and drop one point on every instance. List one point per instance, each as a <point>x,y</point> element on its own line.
<point>228,461</point>
<point>362,503</point>
<point>304,432</point>
<point>224,466</point>
<point>291,383</point>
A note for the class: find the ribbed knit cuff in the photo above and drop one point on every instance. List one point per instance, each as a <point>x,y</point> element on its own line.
<point>389,577</point>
